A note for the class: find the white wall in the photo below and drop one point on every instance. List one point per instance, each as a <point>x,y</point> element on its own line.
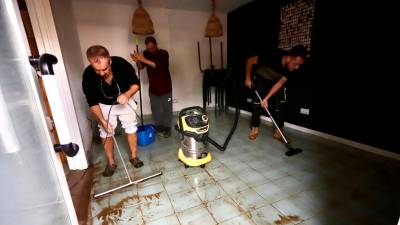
<point>72,57</point>
<point>177,31</point>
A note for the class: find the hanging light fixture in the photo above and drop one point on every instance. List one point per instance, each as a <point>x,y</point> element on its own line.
<point>141,22</point>
<point>214,26</point>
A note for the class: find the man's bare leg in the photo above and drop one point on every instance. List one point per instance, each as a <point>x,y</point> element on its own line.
<point>109,149</point>
<point>132,142</point>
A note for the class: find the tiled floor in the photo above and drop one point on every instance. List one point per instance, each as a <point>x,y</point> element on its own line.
<point>252,182</point>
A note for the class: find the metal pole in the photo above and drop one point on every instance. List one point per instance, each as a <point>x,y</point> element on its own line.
<point>222,55</point>
<point>211,63</point>
<point>272,119</point>
<point>140,89</point>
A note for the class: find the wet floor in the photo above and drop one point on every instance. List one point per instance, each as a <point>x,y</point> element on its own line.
<point>252,182</point>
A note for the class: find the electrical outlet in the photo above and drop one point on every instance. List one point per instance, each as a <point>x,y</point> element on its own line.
<point>304,111</point>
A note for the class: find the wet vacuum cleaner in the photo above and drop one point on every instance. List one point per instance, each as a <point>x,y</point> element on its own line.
<point>193,126</point>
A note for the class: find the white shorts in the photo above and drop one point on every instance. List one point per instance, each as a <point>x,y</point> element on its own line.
<point>124,113</point>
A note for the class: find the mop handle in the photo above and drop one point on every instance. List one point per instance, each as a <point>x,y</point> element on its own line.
<point>122,159</point>
<point>270,116</point>
<point>140,86</point>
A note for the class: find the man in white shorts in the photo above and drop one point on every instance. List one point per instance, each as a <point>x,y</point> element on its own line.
<point>109,84</point>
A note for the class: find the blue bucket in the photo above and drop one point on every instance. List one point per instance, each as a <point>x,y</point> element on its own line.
<point>146,134</point>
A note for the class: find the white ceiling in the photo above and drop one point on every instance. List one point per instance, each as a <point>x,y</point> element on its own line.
<point>196,5</point>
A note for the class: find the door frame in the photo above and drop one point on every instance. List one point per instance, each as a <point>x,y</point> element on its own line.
<point>44,29</point>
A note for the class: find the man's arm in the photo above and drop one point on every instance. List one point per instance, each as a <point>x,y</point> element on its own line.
<point>146,61</point>
<point>141,58</point>
<point>95,109</point>
<point>141,61</point>
<point>249,64</point>
<point>124,97</point>
<point>277,86</point>
<point>132,90</point>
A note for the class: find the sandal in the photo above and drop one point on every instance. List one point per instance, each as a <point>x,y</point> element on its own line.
<point>253,136</point>
<point>278,137</point>
<point>136,162</point>
<point>109,170</point>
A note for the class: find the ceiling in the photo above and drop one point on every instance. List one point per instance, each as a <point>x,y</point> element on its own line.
<point>224,6</point>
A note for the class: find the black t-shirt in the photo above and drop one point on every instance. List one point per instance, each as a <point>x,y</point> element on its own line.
<point>269,65</point>
<point>98,91</point>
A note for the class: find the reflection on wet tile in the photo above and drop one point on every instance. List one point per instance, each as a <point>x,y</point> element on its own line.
<point>269,215</point>
<point>176,185</point>
<point>184,200</point>
<point>220,173</point>
<point>223,209</point>
<point>238,167</point>
<point>164,165</point>
<point>199,179</point>
<point>169,220</point>
<point>289,185</point>
<point>196,216</point>
<point>128,196</point>
<point>143,171</point>
<point>150,190</point>
<point>257,164</point>
<point>272,173</point>
<point>190,170</point>
<point>239,220</point>
<point>248,200</point>
<point>270,192</point>
<point>171,174</point>
<point>210,192</point>
<point>252,178</point>
<point>232,185</point>
<point>291,206</point>
<point>213,164</point>
<point>156,206</point>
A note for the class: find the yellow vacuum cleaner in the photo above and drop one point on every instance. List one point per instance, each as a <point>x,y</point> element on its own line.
<point>193,126</point>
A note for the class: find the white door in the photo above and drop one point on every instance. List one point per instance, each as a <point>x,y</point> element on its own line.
<point>33,189</point>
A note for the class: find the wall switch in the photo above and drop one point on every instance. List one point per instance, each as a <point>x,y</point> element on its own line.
<point>304,111</point>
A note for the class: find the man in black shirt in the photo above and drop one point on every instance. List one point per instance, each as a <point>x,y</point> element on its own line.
<point>271,73</point>
<point>109,84</point>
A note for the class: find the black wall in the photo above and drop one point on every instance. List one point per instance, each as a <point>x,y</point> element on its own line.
<point>349,85</point>
<point>251,29</point>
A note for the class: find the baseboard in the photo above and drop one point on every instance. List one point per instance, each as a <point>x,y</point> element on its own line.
<point>345,141</point>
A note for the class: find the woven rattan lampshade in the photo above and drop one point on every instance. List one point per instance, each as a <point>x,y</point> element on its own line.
<point>141,22</point>
<point>214,26</point>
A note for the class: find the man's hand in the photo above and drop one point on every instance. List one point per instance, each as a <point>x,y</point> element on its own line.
<point>107,126</point>
<point>264,103</point>
<point>248,83</point>
<point>135,56</point>
<point>122,99</point>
